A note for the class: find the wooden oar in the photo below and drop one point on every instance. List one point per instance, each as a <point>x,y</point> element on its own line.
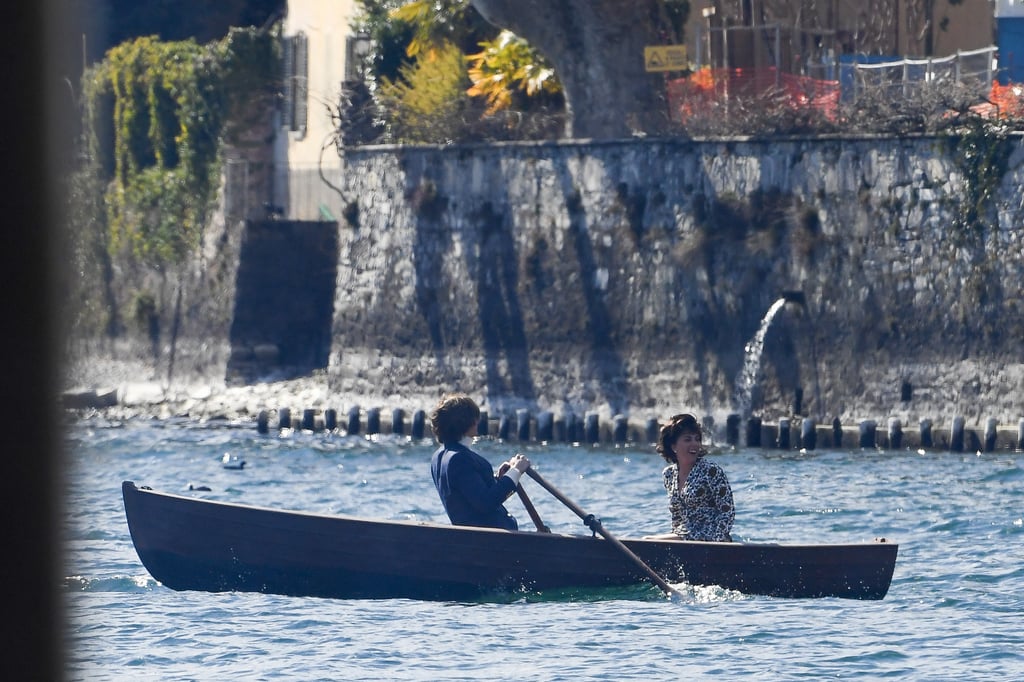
<point>534,516</point>
<point>594,524</point>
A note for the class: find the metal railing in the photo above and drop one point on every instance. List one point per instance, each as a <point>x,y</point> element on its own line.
<point>972,68</point>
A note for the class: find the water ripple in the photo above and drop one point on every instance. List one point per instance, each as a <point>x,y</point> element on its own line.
<point>952,612</point>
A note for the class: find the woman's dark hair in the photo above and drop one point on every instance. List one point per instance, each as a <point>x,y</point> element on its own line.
<point>677,426</point>
<point>453,417</point>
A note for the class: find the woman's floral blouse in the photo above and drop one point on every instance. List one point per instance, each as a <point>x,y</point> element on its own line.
<point>703,509</point>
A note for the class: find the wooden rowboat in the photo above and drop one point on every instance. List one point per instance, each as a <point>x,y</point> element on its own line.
<point>188,543</point>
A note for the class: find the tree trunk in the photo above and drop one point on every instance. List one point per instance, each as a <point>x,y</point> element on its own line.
<point>597,49</point>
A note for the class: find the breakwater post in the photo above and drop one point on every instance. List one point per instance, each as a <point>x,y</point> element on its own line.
<point>591,429</point>
<point>754,432</point>
<point>620,429</point>
<point>808,434</point>
<point>895,433</point>
<point>868,436</point>
<point>652,431</point>
<point>419,424</point>
<point>522,425</point>
<point>926,433</point>
<point>732,430</point>
<point>956,435</point>
<point>782,441</point>
<point>547,427</point>
<point>990,434</point>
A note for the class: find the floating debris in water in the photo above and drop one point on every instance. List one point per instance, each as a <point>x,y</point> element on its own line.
<point>229,461</point>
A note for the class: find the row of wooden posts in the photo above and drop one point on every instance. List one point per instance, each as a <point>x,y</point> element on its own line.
<point>545,426</point>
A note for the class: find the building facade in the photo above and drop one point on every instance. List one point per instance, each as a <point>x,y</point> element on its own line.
<point>797,35</point>
<point>317,39</point>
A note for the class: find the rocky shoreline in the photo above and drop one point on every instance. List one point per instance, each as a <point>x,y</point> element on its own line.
<point>127,389</point>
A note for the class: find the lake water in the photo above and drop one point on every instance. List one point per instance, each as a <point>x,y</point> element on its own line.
<point>955,609</point>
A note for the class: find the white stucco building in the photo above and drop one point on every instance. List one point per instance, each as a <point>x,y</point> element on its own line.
<point>318,46</point>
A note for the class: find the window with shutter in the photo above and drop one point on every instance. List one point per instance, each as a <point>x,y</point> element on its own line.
<point>296,92</point>
<point>301,88</point>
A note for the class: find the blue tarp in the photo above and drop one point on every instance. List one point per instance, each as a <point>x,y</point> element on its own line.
<point>1010,31</point>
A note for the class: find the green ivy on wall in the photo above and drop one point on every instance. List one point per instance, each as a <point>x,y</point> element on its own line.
<point>982,153</point>
<point>156,117</point>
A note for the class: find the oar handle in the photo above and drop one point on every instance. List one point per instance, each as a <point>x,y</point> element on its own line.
<point>531,510</point>
<point>596,526</point>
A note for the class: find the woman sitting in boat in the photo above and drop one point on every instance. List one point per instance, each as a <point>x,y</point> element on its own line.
<point>470,492</point>
<point>699,495</point>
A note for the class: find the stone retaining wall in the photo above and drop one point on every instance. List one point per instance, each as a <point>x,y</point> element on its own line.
<point>625,278</point>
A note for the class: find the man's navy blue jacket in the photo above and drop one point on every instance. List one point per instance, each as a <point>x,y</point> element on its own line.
<point>469,492</point>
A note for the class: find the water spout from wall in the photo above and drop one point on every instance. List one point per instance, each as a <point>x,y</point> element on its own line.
<point>746,382</point>
<point>748,379</point>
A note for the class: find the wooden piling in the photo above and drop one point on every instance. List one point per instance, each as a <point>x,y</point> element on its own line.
<point>808,434</point>
<point>592,428</point>
<point>754,432</point>
<point>560,430</point>
<point>895,434</point>
<point>620,429</point>
<point>545,426</point>
<point>868,434</point>
<point>652,430</point>
<point>956,435</point>
<point>782,441</point>
<point>732,430</point>
<point>419,424</point>
<point>522,425</point>
<point>990,434</point>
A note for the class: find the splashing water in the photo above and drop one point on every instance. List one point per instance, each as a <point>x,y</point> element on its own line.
<point>747,379</point>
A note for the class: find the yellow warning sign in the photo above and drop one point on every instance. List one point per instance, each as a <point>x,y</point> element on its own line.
<point>665,58</point>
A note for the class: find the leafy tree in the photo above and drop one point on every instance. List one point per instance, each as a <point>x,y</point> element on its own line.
<point>508,65</point>
<point>157,114</point>
<point>436,23</point>
<point>409,37</point>
<point>389,38</point>
<point>597,47</point>
<point>427,101</point>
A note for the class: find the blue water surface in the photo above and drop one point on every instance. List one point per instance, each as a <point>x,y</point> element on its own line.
<point>955,610</point>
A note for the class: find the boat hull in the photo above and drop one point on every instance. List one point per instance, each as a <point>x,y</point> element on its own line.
<point>193,544</point>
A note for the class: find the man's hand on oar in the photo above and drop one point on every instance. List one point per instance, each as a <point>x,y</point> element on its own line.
<point>523,497</point>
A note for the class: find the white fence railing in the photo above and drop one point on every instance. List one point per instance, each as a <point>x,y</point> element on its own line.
<point>971,68</point>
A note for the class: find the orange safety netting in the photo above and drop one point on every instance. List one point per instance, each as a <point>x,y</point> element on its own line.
<point>1008,100</point>
<point>703,92</point>
<point>705,88</point>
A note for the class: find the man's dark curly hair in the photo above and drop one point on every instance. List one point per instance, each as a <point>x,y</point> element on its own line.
<point>453,417</point>
<point>677,426</point>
